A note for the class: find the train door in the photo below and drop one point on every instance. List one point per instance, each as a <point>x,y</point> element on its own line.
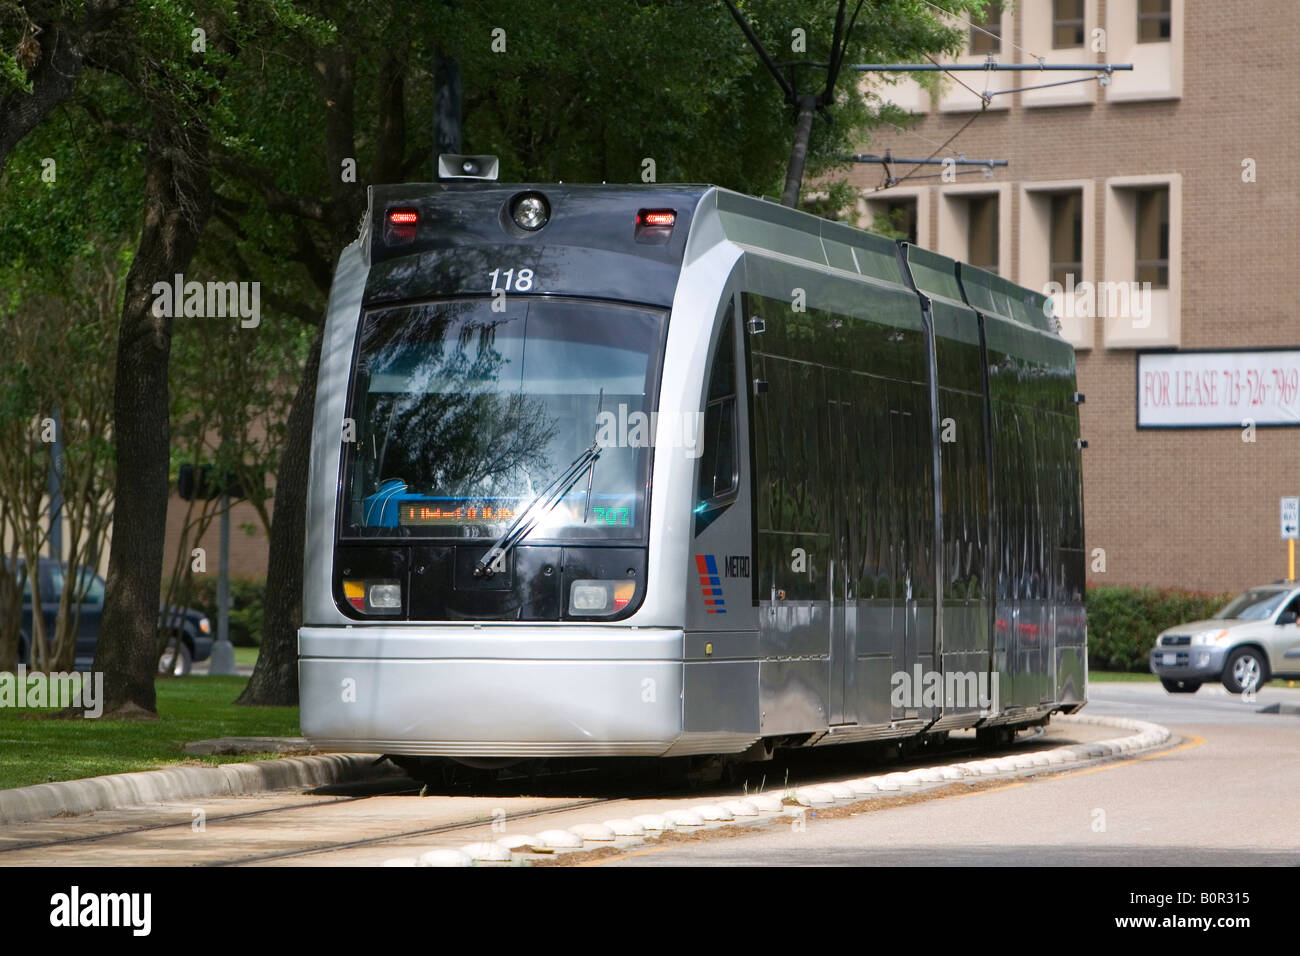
<point>840,690</point>
<point>720,678</point>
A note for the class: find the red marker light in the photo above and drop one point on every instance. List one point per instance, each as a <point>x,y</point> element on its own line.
<point>656,217</point>
<point>402,224</point>
<point>655,226</point>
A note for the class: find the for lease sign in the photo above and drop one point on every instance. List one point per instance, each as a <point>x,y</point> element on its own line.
<point>1218,389</point>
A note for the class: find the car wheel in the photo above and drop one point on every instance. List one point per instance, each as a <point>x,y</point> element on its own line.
<point>1180,686</point>
<point>178,665</point>
<point>1245,668</point>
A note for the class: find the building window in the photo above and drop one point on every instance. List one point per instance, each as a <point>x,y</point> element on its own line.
<point>897,219</point>
<point>986,32</point>
<point>1154,20</point>
<point>1152,228</point>
<point>1066,238</point>
<point>1067,24</point>
<point>982,234</point>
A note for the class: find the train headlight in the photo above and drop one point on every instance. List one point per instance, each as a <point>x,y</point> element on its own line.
<point>592,598</point>
<point>374,597</point>
<point>385,596</point>
<point>530,211</point>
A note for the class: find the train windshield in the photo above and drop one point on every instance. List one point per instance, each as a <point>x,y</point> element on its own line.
<point>463,415</point>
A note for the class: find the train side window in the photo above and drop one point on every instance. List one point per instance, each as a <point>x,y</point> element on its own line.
<point>718,474</point>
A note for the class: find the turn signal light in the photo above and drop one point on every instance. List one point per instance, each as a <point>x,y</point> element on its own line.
<point>382,597</point>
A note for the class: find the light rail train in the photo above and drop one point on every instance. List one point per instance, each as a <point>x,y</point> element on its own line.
<point>656,471</point>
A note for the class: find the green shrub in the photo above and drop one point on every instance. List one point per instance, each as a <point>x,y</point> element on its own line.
<point>1123,622</point>
<point>245,607</point>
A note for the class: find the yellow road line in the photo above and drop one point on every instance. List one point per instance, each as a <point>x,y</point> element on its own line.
<point>623,856</point>
<point>1185,745</point>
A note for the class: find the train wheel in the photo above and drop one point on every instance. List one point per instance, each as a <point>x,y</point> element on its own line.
<point>990,738</point>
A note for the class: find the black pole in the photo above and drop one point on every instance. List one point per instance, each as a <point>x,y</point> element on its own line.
<point>807,105</point>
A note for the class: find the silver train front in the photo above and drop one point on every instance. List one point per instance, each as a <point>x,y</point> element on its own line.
<point>505,688</point>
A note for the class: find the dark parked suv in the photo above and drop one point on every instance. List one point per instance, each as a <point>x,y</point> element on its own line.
<point>192,628</point>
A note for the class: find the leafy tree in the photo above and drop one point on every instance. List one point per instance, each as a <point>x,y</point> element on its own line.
<point>254,150</point>
<point>43,46</point>
<point>61,270</point>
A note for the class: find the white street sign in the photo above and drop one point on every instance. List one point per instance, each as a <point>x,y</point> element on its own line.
<point>1290,518</point>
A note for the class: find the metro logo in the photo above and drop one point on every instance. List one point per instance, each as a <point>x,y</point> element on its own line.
<point>710,583</point>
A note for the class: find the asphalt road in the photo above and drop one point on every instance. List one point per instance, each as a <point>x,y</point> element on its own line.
<point>1226,795</point>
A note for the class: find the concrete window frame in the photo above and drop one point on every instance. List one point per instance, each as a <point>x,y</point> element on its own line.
<point>905,93</point>
<point>1163,326</point>
<point>952,235</point>
<point>1157,66</point>
<point>871,203</point>
<point>956,98</point>
<point>1036,19</point>
<point>1078,322</point>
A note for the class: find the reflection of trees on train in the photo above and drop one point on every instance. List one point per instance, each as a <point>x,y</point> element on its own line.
<point>455,432</point>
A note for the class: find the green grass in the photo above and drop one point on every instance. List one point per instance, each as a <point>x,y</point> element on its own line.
<point>37,749</point>
<point>246,656</point>
<point>1102,677</point>
<point>1125,676</point>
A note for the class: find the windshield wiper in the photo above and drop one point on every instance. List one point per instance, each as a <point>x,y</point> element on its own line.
<point>494,560</point>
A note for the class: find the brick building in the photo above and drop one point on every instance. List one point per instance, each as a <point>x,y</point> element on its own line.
<point>1180,174</point>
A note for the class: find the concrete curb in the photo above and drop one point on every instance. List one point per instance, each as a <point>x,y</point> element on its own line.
<point>762,810</point>
<point>119,790</point>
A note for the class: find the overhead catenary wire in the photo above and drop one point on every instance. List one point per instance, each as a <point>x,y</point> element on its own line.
<point>886,161</point>
<point>964,126</point>
<point>975,26</point>
<point>1101,72</point>
<point>1102,75</point>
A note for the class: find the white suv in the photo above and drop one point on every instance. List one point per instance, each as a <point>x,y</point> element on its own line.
<point>1255,638</point>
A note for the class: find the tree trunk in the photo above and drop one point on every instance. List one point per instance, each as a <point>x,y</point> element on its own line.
<point>177,203</point>
<point>275,678</point>
<point>807,105</point>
